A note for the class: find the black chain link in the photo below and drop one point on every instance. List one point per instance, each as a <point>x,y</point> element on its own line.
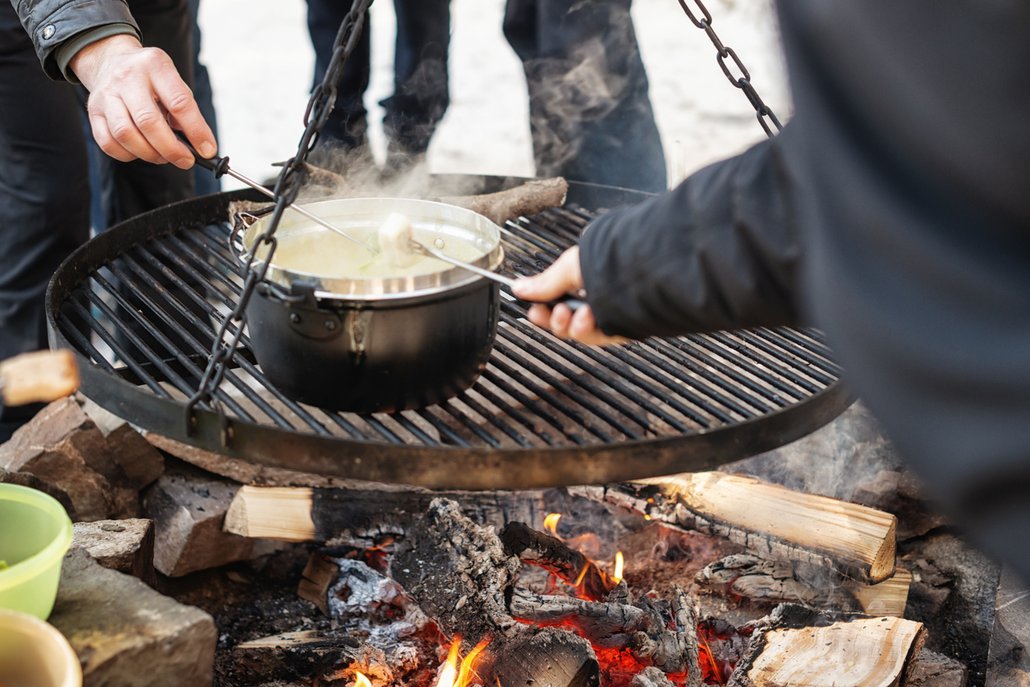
<point>742,80</point>
<point>287,186</point>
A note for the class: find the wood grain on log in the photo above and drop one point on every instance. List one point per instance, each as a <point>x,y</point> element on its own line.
<point>358,517</point>
<point>780,581</point>
<point>803,648</point>
<point>769,520</point>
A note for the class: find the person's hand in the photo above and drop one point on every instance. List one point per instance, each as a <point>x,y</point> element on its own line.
<point>563,277</point>
<point>135,98</point>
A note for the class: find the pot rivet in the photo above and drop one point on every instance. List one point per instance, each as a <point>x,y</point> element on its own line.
<point>330,325</point>
<point>294,318</point>
<point>438,243</point>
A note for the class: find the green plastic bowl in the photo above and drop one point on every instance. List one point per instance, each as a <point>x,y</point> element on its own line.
<point>35,533</point>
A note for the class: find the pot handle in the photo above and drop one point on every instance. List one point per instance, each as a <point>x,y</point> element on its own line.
<point>241,220</point>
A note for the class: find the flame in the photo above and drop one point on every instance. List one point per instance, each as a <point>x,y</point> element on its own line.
<point>619,564</point>
<point>454,675</point>
<point>582,574</point>
<point>465,673</point>
<point>360,680</point>
<point>551,523</point>
<point>449,669</point>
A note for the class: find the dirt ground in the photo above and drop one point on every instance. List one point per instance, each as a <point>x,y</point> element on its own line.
<point>260,61</point>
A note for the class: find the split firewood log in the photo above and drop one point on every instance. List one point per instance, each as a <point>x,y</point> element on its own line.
<point>769,520</point>
<point>805,648</point>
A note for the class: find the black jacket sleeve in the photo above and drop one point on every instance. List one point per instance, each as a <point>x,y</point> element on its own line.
<point>52,22</point>
<point>719,251</point>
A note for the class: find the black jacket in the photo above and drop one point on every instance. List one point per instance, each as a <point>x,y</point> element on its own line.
<point>50,23</point>
<point>893,212</point>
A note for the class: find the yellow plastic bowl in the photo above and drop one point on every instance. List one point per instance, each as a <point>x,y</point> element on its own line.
<point>35,533</point>
<point>35,653</point>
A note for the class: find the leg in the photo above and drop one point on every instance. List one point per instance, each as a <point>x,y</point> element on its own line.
<point>590,113</point>
<point>204,181</point>
<point>44,193</point>
<point>420,96</point>
<point>346,126</point>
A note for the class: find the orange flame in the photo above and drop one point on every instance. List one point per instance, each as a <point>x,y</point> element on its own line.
<point>619,563</point>
<point>465,673</point>
<point>360,680</point>
<point>449,669</point>
<point>454,675</point>
<point>551,523</point>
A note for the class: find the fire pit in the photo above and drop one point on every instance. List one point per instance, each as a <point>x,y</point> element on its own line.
<point>137,304</point>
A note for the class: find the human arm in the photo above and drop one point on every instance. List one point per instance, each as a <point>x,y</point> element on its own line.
<point>134,91</point>
<point>721,250</point>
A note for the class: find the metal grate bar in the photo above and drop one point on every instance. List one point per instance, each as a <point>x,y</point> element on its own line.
<point>117,348</point>
<point>159,362</point>
<point>81,340</point>
<point>715,387</point>
<point>203,348</point>
<point>206,328</point>
<point>546,392</point>
<point>591,381</point>
<point>802,349</point>
<point>449,436</point>
<point>616,360</point>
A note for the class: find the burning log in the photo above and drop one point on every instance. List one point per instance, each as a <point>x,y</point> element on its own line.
<point>770,520</point>
<point>357,516</point>
<point>447,563</point>
<point>804,648</point>
<point>772,581</point>
<point>662,637</point>
<point>651,677</point>
<point>548,657</point>
<point>551,553</point>
<point>460,576</point>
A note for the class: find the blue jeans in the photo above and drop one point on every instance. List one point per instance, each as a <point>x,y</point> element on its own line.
<point>590,114</point>
<point>420,96</point>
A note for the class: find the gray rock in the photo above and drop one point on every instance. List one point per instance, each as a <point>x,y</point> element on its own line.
<point>128,635</point>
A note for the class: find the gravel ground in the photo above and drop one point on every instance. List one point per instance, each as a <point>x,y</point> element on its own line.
<point>260,61</point>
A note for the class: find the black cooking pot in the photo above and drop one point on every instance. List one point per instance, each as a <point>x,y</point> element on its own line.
<point>366,342</point>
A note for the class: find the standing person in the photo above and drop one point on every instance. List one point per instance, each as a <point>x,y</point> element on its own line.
<point>590,114</point>
<point>420,97</point>
<point>893,212</point>
<point>44,192</point>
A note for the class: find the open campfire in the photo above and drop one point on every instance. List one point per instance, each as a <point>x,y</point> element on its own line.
<point>711,578</point>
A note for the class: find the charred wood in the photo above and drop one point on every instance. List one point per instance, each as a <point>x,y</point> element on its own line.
<point>458,573</point>
<point>662,635</point>
<point>548,657</point>
<point>551,553</point>
<point>357,517</point>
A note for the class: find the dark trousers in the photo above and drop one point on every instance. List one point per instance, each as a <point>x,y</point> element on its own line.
<point>590,113</point>
<point>420,96</point>
<point>44,187</point>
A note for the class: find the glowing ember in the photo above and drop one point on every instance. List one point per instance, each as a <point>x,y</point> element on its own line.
<point>453,674</point>
<point>551,523</point>
<point>360,680</point>
<point>619,563</point>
